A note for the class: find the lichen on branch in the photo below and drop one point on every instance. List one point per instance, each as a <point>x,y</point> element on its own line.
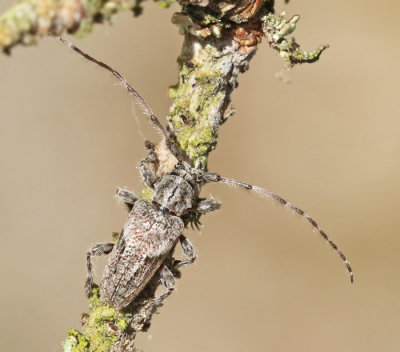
<point>208,71</point>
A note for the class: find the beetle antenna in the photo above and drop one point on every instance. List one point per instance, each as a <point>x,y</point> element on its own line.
<point>211,177</point>
<point>148,110</point>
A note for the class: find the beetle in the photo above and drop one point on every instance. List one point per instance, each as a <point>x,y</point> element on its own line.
<point>154,226</point>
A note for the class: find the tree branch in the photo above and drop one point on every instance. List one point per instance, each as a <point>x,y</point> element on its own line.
<point>220,38</point>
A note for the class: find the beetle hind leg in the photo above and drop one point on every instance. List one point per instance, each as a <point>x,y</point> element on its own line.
<point>167,276</point>
<point>166,279</point>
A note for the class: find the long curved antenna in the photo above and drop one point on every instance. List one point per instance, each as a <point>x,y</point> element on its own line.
<point>211,177</point>
<point>153,119</point>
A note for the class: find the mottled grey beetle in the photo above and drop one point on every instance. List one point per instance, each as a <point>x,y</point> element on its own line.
<point>151,231</point>
<point>154,227</point>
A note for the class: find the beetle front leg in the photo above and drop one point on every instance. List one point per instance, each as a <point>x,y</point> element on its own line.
<point>98,250</point>
<point>148,166</point>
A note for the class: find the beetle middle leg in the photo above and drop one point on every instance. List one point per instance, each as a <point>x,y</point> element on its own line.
<point>128,197</point>
<point>188,251</point>
<point>98,250</point>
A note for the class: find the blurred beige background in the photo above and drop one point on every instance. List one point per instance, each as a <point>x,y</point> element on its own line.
<point>328,142</point>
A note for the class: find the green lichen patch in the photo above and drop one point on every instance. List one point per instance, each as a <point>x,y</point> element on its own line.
<point>298,56</point>
<point>101,330</point>
<point>76,342</point>
<point>196,141</point>
<point>165,3</point>
<point>199,97</point>
<point>147,193</point>
<point>115,236</point>
<point>195,134</point>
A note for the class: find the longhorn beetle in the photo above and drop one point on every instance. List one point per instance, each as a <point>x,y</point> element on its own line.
<point>154,227</point>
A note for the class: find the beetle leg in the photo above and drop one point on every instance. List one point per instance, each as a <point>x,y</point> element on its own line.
<point>167,279</point>
<point>127,197</point>
<point>148,166</point>
<point>207,205</point>
<point>166,276</point>
<point>188,251</point>
<point>98,250</point>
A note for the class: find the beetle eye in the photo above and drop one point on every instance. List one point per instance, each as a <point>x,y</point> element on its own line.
<point>199,178</point>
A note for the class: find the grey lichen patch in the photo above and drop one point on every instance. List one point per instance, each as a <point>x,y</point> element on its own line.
<point>276,28</point>
<point>101,330</point>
